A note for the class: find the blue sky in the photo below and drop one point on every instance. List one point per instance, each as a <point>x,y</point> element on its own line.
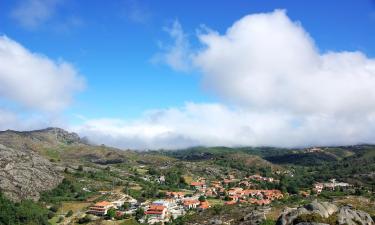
<point>113,46</point>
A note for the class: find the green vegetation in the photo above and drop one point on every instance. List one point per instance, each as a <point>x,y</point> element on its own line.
<point>68,190</point>
<point>268,222</point>
<point>26,213</point>
<point>332,220</point>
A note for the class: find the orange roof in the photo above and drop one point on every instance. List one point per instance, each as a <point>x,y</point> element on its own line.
<point>191,202</point>
<point>103,204</point>
<point>156,208</point>
<point>197,183</point>
<point>175,193</point>
<point>204,205</point>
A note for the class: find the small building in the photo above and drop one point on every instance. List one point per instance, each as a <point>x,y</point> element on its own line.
<point>100,208</point>
<point>176,195</point>
<point>318,187</point>
<point>157,211</point>
<point>191,203</point>
<point>198,185</point>
<point>204,205</point>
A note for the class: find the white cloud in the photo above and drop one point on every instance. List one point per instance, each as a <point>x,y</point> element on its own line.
<point>177,55</point>
<point>32,13</point>
<point>267,62</point>
<point>216,124</point>
<point>283,92</point>
<point>35,81</point>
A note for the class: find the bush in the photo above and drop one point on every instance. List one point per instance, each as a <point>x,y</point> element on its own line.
<point>54,208</point>
<point>85,219</point>
<point>69,214</point>
<point>314,217</point>
<point>61,218</point>
<point>202,198</point>
<point>268,222</point>
<point>50,215</point>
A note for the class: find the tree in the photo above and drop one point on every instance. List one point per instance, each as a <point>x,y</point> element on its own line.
<point>69,214</point>
<point>85,219</point>
<point>139,213</point>
<point>111,213</point>
<point>54,208</point>
<point>202,198</point>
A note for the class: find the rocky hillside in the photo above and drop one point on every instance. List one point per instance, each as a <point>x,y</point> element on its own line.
<point>24,174</point>
<point>38,139</point>
<point>32,161</point>
<point>324,213</point>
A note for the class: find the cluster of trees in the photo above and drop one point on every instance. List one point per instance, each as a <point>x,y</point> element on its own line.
<point>67,190</point>
<point>25,212</point>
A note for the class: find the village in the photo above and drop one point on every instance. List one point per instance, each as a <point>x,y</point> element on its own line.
<point>201,195</point>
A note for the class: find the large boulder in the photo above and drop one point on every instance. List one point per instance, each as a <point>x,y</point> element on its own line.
<point>349,216</point>
<point>324,209</point>
<point>318,213</point>
<point>311,223</point>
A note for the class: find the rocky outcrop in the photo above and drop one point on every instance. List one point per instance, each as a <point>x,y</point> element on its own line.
<point>24,174</point>
<point>311,223</point>
<point>61,134</point>
<point>38,139</point>
<point>350,216</point>
<point>256,217</point>
<point>319,213</point>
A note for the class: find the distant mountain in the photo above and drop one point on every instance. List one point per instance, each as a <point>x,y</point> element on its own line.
<point>33,161</point>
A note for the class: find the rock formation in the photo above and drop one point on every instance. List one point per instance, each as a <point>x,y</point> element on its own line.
<point>318,213</point>
<point>24,174</point>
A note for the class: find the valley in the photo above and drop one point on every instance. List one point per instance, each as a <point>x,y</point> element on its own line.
<point>91,184</point>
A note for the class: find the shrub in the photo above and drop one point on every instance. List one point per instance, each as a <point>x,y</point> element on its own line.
<point>54,208</point>
<point>69,214</point>
<point>85,219</point>
<point>61,218</point>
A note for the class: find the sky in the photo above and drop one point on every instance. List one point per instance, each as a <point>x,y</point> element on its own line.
<point>174,74</point>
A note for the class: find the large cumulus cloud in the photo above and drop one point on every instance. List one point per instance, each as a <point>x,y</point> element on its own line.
<point>277,88</point>
<point>35,81</point>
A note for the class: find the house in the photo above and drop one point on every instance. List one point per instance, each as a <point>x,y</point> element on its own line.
<point>100,208</point>
<point>156,211</point>
<point>272,194</point>
<point>235,191</point>
<point>304,193</point>
<point>198,185</point>
<point>191,203</point>
<point>318,187</point>
<point>204,205</point>
<point>245,183</point>
<point>178,195</point>
<point>211,192</point>
<point>228,181</point>
<point>260,201</point>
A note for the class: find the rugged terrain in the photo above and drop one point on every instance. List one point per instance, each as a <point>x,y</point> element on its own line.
<point>65,171</point>
<point>324,213</point>
<point>24,174</point>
